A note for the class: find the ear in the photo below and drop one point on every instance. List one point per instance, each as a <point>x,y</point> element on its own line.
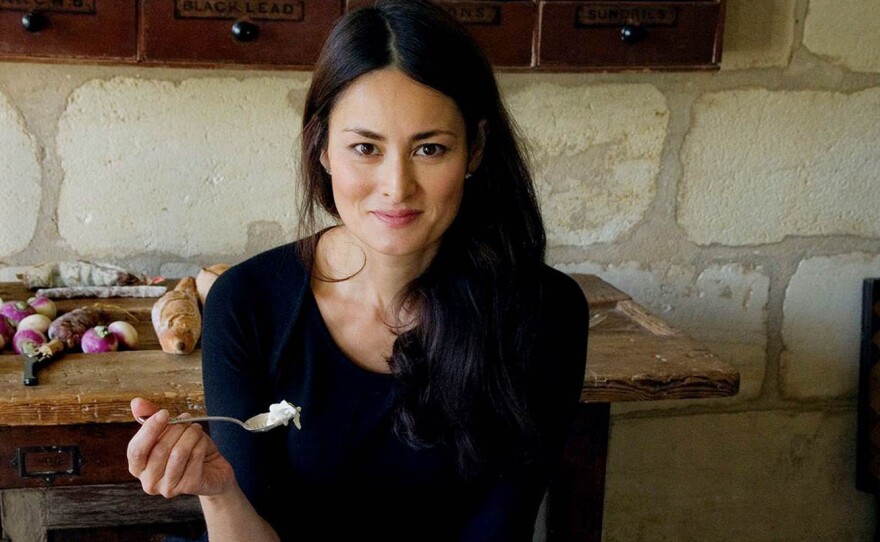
<point>477,147</point>
<point>324,161</point>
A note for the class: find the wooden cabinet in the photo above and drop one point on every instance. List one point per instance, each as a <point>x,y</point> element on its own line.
<point>551,35</point>
<point>505,30</point>
<point>631,34</point>
<point>93,29</point>
<point>282,32</point>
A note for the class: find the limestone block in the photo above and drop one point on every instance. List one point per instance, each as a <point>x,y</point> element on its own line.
<point>724,303</point>
<point>722,306</point>
<point>757,34</point>
<point>821,326</point>
<point>9,273</point>
<point>597,154</point>
<point>760,165</point>
<point>180,168</point>
<point>20,181</point>
<point>845,31</point>
<point>176,270</point>
<point>759,476</point>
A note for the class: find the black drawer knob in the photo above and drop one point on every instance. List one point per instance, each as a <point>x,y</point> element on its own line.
<point>632,33</point>
<point>245,31</point>
<point>34,21</point>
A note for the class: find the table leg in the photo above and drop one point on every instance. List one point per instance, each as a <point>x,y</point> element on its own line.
<point>577,490</point>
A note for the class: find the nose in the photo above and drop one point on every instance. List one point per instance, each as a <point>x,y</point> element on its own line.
<point>398,180</point>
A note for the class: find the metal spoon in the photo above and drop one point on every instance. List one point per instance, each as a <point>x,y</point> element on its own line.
<point>257,424</point>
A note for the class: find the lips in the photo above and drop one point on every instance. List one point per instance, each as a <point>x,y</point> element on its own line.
<point>397,219</point>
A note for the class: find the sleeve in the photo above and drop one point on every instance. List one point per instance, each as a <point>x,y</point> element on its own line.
<point>510,508</point>
<point>236,384</point>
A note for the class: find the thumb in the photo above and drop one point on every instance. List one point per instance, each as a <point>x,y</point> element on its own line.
<point>141,408</point>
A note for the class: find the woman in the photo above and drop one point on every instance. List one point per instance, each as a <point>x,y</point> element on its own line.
<point>437,360</point>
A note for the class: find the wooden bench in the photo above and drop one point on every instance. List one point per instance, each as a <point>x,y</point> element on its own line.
<point>62,443</point>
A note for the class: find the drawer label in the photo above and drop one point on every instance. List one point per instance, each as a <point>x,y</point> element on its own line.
<point>68,6</point>
<point>611,14</point>
<point>47,461</point>
<point>474,13</point>
<point>278,10</point>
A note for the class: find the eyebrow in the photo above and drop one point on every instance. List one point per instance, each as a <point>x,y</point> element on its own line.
<point>417,137</point>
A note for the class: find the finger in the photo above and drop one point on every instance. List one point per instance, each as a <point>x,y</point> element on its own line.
<point>141,408</point>
<point>141,445</point>
<point>192,481</point>
<point>154,470</point>
<point>178,458</point>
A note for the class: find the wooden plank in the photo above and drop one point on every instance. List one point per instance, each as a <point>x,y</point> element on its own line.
<point>643,367</point>
<point>121,504</point>
<point>599,293</point>
<point>118,512</point>
<point>97,388</point>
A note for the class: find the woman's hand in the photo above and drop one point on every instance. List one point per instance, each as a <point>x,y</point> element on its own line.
<point>171,460</point>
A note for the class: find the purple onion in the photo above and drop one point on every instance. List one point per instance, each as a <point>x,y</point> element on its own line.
<point>16,311</point>
<point>99,339</point>
<point>26,341</point>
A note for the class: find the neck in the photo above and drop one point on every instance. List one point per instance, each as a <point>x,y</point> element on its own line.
<point>376,279</point>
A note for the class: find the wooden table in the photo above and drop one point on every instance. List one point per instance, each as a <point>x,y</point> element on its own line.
<point>69,433</point>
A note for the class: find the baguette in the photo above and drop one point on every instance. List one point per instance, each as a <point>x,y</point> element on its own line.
<point>176,318</point>
<point>206,278</point>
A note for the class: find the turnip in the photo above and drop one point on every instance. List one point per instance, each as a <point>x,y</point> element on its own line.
<point>44,306</point>
<point>125,333</point>
<point>7,330</point>
<point>26,341</point>
<point>16,311</point>
<point>35,321</point>
<point>99,339</point>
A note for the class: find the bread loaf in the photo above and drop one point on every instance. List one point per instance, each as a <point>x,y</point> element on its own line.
<point>176,318</point>
<point>206,278</point>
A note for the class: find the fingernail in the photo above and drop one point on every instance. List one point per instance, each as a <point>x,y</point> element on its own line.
<point>163,415</point>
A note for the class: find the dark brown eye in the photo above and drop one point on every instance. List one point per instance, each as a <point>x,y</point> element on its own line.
<point>365,148</point>
<point>431,149</point>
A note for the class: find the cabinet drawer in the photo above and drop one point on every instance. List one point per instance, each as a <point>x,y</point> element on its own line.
<point>279,32</point>
<point>504,30</point>
<point>631,34</point>
<point>69,28</point>
<point>40,456</point>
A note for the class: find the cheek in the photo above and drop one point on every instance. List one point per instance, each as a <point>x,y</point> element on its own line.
<point>348,187</point>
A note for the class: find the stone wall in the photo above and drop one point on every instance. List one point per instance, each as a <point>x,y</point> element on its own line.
<point>737,205</point>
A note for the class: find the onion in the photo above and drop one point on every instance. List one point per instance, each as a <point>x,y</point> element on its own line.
<point>40,322</point>
<point>26,341</point>
<point>125,333</point>
<point>16,311</point>
<point>44,306</point>
<point>98,339</point>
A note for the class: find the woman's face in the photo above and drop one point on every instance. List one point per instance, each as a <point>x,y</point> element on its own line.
<point>397,152</point>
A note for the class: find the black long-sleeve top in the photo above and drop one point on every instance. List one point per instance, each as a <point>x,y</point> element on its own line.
<point>345,476</point>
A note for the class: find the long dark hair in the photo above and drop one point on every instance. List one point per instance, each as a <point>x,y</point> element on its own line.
<point>463,365</point>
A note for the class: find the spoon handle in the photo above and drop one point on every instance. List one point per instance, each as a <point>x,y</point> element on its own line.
<point>189,419</point>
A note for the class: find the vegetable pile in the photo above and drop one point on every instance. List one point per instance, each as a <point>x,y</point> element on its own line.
<point>23,324</point>
<point>32,327</point>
